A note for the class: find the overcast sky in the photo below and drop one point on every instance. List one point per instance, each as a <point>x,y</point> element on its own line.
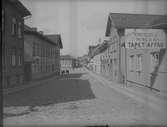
<point>82,22</point>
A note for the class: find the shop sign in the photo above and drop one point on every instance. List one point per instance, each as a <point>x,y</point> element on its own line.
<point>145,39</point>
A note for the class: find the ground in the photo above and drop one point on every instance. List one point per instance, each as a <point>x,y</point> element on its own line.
<point>80,98</point>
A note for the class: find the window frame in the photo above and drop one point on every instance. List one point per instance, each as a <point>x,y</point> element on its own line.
<point>131,63</point>
<point>14,26</point>
<point>139,63</point>
<point>3,19</point>
<point>20,30</point>
<point>13,57</point>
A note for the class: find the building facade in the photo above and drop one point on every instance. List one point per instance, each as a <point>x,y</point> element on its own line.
<point>144,63</point>
<point>57,39</point>
<point>13,14</point>
<point>110,60</point>
<point>42,54</point>
<point>105,58</point>
<point>139,65</point>
<point>160,80</point>
<point>67,62</point>
<point>96,63</point>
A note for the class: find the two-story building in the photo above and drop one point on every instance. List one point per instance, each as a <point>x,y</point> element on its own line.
<point>57,39</point>
<point>13,14</point>
<point>42,54</point>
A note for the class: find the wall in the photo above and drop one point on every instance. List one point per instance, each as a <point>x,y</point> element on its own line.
<point>45,57</point>
<point>12,75</point>
<point>96,67</point>
<point>161,78</point>
<point>153,68</point>
<point>66,64</point>
<point>111,57</point>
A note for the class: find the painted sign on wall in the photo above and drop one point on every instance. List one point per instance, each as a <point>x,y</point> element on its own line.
<point>145,39</point>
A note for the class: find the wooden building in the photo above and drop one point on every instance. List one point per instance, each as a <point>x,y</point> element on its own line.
<point>139,64</point>
<point>13,14</point>
<point>42,55</point>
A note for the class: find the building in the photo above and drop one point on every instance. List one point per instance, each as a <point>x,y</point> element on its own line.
<point>138,64</point>
<point>67,62</point>
<point>96,61</point>
<point>109,60</point>
<point>91,50</point>
<point>160,72</point>
<point>57,39</point>
<point>42,54</point>
<point>83,61</point>
<point>96,64</point>
<point>76,63</point>
<point>13,14</point>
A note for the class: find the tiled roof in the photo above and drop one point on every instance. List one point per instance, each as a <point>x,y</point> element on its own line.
<point>55,38</point>
<point>123,20</point>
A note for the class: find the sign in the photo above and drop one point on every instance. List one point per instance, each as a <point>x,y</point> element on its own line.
<point>145,39</point>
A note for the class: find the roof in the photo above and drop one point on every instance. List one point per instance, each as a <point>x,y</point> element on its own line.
<point>23,10</point>
<point>125,20</point>
<point>100,48</point>
<point>92,49</point>
<point>160,22</point>
<point>29,30</point>
<point>66,57</point>
<point>55,38</point>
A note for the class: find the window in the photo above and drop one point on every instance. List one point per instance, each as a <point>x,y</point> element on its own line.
<point>3,19</point>
<point>19,60</point>
<point>139,63</point>
<point>19,30</point>
<point>131,63</point>
<point>33,49</point>
<point>42,51</point>
<point>13,57</point>
<point>37,49</point>
<point>52,52</point>
<point>154,60</point>
<point>14,26</point>
<point>46,52</point>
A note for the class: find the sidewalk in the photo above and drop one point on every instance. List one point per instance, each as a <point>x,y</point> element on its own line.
<point>32,83</point>
<point>141,94</point>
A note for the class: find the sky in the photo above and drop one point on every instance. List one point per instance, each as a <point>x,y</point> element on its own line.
<point>83,22</point>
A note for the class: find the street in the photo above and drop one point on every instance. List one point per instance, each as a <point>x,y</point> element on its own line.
<point>77,98</point>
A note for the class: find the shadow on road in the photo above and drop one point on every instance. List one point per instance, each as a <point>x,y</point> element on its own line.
<point>52,92</point>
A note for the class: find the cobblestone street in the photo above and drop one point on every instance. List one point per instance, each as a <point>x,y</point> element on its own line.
<point>78,98</point>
